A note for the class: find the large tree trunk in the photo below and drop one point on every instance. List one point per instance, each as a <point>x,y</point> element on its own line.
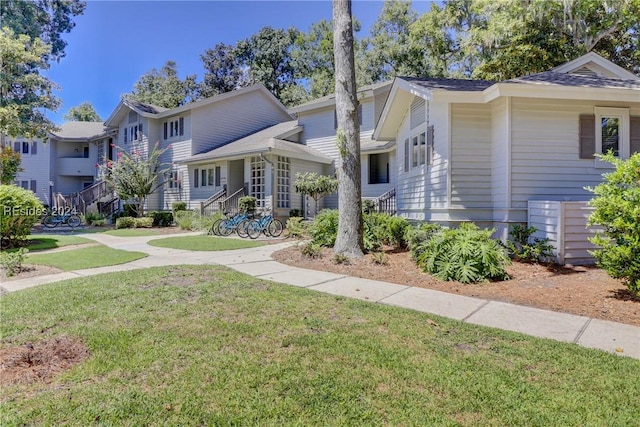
<point>349,240</point>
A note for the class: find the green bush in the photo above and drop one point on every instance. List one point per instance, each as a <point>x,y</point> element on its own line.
<point>99,222</point>
<point>190,220</point>
<point>247,204</point>
<point>617,211</point>
<point>178,206</point>
<point>89,217</point>
<point>130,210</point>
<point>324,229</point>
<point>11,262</point>
<point>368,206</point>
<point>393,230</point>
<point>311,250</point>
<point>297,228</point>
<point>126,222</point>
<point>144,222</point>
<point>184,219</point>
<point>416,236</point>
<point>466,254</point>
<point>161,218</point>
<point>19,211</point>
<point>522,248</point>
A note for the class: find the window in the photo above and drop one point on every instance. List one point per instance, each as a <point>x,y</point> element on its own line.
<point>406,155</point>
<point>284,182</point>
<point>414,152</point>
<point>24,184</point>
<point>25,147</point>
<point>217,176</point>
<point>379,168</point>
<point>608,129</point>
<point>210,177</point>
<point>256,188</point>
<point>173,181</point>
<point>196,176</point>
<point>203,177</point>
<point>85,151</point>
<point>422,149</point>
<point>173,128</point>
<point>124,132</point>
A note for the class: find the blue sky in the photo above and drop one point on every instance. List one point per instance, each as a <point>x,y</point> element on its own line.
<point>115,42</point>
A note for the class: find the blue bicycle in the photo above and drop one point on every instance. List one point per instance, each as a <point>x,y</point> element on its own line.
<point>266,224</point>
<point>70,219</point>
<point>226,226</point>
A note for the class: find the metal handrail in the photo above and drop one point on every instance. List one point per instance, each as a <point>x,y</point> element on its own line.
<point>231,203</point>
<point>386,203</point>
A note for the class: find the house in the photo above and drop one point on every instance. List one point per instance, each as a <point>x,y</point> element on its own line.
<point>378,158</point>
<point>481,151</point>
<point>64,164</point>
<point>238,143</point>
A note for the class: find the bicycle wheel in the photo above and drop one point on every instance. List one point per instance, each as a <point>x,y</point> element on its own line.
<point>74,221</point>
<point>254,229</point>
<point>242,229</point>
<point>214,227</point>
<point>50,221</point>
<point>275,228</point>
<point>226,227</point>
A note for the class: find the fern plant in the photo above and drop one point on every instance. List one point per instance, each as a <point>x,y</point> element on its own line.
<point>466,254</point>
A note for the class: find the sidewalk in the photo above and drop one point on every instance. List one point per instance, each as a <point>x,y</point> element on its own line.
<point>609,336</point>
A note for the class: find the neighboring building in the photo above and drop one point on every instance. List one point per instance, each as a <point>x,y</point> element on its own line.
<point>480,151</point>
<point>241,142</point>
<point>378,158</point>
<point>35,161</point>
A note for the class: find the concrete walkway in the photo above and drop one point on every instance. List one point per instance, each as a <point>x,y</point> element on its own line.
<point>609,336</point>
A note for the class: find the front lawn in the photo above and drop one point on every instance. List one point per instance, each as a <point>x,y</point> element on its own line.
<point>204,243</point>
<point>41,242</point>
<point>133,232</point>
<point>205,345</point>
<point>89,257</point>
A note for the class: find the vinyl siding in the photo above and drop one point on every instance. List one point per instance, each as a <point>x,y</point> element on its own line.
<point>36,167</point>
<point>375,190</point>
<point>545,152</point>
<point>500,153</point>
<point>303,166</point>
<point>222,122</point>
<point>470,156</point>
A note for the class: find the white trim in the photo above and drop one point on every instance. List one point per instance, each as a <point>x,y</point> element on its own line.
<point>600,62</point>
<point>624,141</point>
<point>449,155</point>
<point>509,152</point>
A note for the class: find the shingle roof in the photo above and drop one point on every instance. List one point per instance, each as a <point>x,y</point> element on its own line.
<point>145,108</point>
<point>575,80</point>
<point>80,130</point>
<point>261,141</point>
<point>331,96</point>
<point>450,84</point>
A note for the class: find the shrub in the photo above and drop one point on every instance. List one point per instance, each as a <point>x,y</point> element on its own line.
<point>380,258</point>
<point>324,229</point>
<point>466,254</point>
<point>340,259</point>
<point>297,228</point>
<point>247,204</point>
<point>415,237</point>
<point>311,250</point>
<point>294,213</point>
<point>11,262</point>
<point>126,222</point>
<point>368,206</point>
<point>393,230</point>
<point>89,217</point>
<point>130,210</point>
<point>522,248</point>
<point>144,222</point>
<point>19,211</point>
<point>178,206</point>
<point>617,211</point>
<point>161,218</point>
<point>99,222</point>
<point>184,219</point>
<point>190,220</point>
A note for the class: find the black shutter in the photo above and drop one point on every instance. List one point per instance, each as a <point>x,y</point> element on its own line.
<point>587,136</point>
<point>181,126</point>
<point>34,148</point>
<point>165,130</point>
<point>34,187</point>
<point>217,183</point>
<point>634,131</point>
<point>125,135</point>
<point>196,173</point>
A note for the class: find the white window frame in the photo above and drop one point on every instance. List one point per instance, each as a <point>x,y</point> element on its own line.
<point>624,141</point>
<point>283,183</point>
<point>257,182</point>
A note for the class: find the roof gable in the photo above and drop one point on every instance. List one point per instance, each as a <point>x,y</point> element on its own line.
<point>595,65</point>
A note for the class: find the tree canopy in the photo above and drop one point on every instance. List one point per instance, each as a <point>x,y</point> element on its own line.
<point>83,113</point>
<point>164,88</point>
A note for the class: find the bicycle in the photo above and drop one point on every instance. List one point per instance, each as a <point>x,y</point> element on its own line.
<point>228,225</point>
<point>266,224</point>
<point>70,219</point>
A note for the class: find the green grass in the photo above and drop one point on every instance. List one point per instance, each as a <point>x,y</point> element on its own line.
<point>90,257</point>
<point>132,232</point>
<point>204,243</point>
<point>41,242</point>
<point>207,346</point>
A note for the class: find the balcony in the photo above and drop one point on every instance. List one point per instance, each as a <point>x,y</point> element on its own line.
<point>75,166</point>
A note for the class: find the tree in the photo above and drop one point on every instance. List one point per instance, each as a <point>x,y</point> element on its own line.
<point>223,71</point>
<point>44,19</point>
<point>24,92</point>
<point>164,88</point>
<point>9,165</point>
<point>267,57</point>
<point>349,240</point>
<point>390,53</point>
<point>135,176</point>
<point>617,211</point>
<point>83,113</point>
<point>315,186</point>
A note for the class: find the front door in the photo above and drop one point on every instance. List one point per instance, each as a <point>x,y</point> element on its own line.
<point>235,176</point>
